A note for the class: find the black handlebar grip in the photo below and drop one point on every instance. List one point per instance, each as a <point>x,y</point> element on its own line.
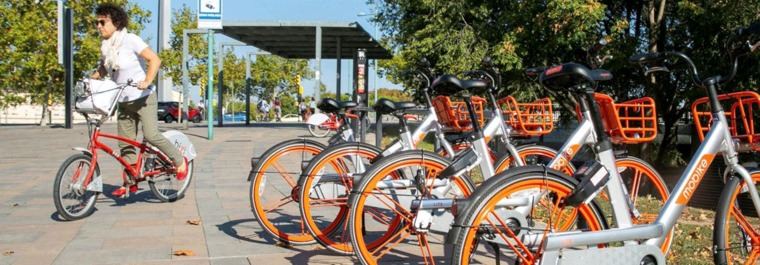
<point>646,58</point>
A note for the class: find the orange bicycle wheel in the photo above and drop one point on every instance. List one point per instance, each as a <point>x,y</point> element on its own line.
<point>274,190</point>
<point>381,219</point>
<point>531,155</point>
<point>326,184</point>
<point>736,237</point>
<point>485,228</point>
<point>647,191</point>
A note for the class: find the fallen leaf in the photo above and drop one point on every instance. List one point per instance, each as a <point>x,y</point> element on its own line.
<point>15,204</point>
<point>194,222</point>
<point>184,252</point>
<point>8,253</point>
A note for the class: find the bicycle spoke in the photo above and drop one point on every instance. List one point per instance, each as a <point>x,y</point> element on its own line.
<point>635,186</point>
<point>285,200</point>
<point>425,248</point>
<point>395,239</point>
<point>284,173</point>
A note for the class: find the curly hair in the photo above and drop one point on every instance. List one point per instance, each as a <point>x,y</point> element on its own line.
<point>118,16</point>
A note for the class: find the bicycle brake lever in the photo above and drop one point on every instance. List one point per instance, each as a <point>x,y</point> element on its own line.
<point>654,69</point>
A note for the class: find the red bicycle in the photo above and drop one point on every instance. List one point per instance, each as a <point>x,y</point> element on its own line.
<point>320,124</point>
<point>79,182</point>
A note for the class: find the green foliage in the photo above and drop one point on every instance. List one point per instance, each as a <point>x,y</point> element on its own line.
<point>455,35</point>
<point>28,47</point>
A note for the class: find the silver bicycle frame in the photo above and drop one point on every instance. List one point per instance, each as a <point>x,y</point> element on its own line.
<point>717,140</point>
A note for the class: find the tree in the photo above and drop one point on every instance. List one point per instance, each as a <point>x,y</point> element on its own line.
<point>455,35</point>
<point>28,59</point>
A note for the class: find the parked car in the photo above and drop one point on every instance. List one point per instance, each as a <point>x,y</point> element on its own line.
<point>163,109</point>
<point>170,113</point>
<point>237,116</point>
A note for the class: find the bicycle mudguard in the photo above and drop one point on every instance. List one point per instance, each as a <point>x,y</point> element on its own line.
<point>96,184</point>
<point>317,119</point>
<point>182,142</point>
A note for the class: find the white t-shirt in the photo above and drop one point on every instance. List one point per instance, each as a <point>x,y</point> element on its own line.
<point>129,67</point>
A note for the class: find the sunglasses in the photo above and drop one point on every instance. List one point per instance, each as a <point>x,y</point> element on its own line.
<point>102,22</point>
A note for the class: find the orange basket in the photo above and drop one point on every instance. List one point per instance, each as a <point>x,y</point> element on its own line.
<point>741,110</point>
<point>629,122</point>
<point>453,114</point>
<point>528,119</point>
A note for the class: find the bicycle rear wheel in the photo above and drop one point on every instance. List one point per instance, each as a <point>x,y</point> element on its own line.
<point>167,188</point>
<point>319,131</point>
<point>736,237</point>
<point>274,191</point>
<point>70,195</point>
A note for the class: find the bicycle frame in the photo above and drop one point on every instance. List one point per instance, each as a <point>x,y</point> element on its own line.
<point>95,144</point>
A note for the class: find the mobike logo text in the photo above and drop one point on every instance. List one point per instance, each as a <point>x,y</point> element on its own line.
<point>695,178</point>
<point>565,157</point>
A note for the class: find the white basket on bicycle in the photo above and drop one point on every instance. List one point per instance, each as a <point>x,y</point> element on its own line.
<point>96,96</point>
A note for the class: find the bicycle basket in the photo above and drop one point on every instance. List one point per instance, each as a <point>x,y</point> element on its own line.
<point>453,115</point>
<point>741,109</point>
<point>528,119</point>
<point>629,122</point>
<point>96,96</point>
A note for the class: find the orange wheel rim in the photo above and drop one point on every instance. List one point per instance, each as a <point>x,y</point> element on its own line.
<point>307,204</point>
<point>376,249</point>
<point>641,173</point>
<point>521,250</point>
<point>528,152</point>
<point>262,210</point>
<point>745,225</point>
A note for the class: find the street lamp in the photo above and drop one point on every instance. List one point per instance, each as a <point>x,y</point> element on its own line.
<point>374,81</point>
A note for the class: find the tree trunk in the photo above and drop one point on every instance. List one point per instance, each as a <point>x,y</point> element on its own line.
<point>44,120</point>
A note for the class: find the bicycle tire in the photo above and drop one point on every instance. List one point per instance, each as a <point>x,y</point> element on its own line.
<point>400,224</point>
<point>467,224</point>
<point>318,131</point>
<point>729,208</point>
<point>89,197</point>
<point>259,176</point>
<point>546,154</point>
<point>325,227</point>
<point>168,194</point>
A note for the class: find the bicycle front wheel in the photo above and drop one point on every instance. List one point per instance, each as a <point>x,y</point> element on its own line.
<point>274,189</point>
<point>492,230</point>
<point>381,219</point>
<point>72,199</point>
<point>325,186</point>
<point>736,238</point>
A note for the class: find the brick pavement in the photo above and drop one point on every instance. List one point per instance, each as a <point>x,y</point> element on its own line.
<point>139,230</point>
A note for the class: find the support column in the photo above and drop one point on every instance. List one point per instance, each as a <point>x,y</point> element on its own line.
<point>210,89</point>
<point>318,57</point>
<point>247,90</point>
<point>220,100</point>
<point>164,90</point>
<point>337,66</point>
<point>68,64</point>
<point>184,102</point>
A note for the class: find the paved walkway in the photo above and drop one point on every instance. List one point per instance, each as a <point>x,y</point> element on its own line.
<point>140,230</point>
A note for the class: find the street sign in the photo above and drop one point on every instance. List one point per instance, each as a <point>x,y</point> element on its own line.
<point>209,14</point>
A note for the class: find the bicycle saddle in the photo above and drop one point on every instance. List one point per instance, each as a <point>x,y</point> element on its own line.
<point>386,106</point>
<point>572,74</point>
<point>330,105</point>
<point>448,85</point>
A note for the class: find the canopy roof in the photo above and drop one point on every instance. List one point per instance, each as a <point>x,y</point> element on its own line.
<point>297,40</point>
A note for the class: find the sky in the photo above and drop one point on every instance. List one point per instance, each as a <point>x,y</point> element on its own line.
<point>285,10</point>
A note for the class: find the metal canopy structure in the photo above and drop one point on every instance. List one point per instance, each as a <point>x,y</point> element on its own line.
<point>296,40</point>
